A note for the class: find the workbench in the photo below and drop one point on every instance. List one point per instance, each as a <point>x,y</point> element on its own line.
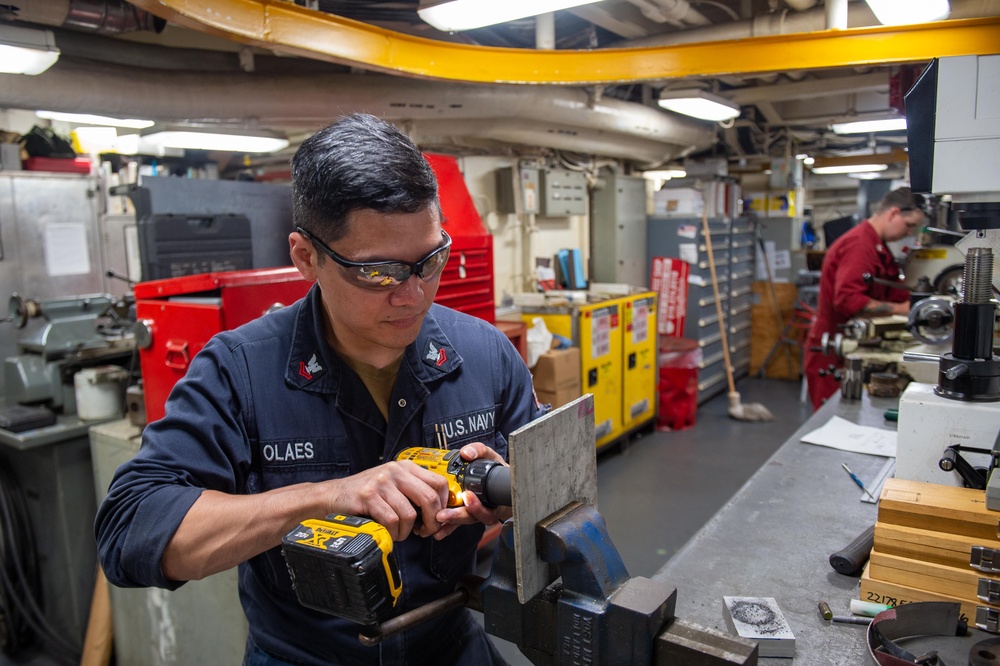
<point>774,539</point>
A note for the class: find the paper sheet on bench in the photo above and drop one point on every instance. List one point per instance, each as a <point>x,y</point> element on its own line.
<point>839,433</point>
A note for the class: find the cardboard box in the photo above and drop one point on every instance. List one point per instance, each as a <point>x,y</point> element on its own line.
<point>678,202</point>
<point>557,369</point>
<point>558,398</point>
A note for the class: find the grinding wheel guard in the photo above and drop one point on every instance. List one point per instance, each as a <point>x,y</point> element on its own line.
<point>924,618</point>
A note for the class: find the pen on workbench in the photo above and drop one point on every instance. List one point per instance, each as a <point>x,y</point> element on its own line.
<point>850,619</point>
<point>857,480</point>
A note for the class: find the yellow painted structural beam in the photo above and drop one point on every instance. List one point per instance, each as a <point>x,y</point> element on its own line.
<point>894,156</point>
<point>289,28</point>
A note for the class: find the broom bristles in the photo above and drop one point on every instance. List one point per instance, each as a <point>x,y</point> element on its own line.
<point>751,411</point>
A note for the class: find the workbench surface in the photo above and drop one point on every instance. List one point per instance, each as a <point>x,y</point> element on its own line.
<point>775,537</point>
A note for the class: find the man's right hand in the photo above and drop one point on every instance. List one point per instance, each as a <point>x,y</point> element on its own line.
<point>391,495</point>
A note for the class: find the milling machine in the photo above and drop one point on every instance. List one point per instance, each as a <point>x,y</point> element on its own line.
<point>80,332</point>
<point>954,141</point>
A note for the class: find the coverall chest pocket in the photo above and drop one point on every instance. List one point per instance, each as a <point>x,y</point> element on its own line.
<point>475,426</point>
<point>286,462</point>
<point>301,460</point>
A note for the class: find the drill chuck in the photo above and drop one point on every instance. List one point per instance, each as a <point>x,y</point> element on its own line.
<point>489,480</point>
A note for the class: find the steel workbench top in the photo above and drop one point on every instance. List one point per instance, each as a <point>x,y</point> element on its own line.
<point>774,539</point>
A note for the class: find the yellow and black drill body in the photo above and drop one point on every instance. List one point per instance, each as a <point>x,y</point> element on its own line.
<point>344,565</point>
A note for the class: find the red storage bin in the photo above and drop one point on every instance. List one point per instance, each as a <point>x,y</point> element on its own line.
<point>677,390</point>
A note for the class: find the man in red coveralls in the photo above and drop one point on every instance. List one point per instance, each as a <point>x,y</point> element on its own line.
<point>843,292</point>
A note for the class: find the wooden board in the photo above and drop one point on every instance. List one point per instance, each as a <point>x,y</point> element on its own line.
<point>953,550</point>
<point>553,461</point>
<point>952,581</point>
<point>895,594</point>
<point>766,330</point>
<point>938,508</point>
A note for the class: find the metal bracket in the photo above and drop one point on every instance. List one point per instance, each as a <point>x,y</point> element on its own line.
<point>984,559</point>
<point>988,619</point>
<point>988,590</point>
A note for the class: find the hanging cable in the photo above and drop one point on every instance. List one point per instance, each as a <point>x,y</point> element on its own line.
<point>22,622</point>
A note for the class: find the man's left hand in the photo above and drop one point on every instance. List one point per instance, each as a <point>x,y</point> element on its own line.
<point>473,511</point>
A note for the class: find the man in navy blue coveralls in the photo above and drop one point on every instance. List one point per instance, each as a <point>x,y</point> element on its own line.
<point>301,414</point>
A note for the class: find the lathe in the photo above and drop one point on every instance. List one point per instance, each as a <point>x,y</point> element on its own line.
<point>80,332</point>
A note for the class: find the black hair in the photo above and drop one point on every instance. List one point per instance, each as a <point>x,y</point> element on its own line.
<point>902,198</point>
<point>356,163</point>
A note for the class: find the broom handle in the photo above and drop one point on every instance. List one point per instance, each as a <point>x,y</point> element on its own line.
<point>718,302</point>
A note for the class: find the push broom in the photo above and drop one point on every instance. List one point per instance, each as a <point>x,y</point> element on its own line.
<point>737,410</point>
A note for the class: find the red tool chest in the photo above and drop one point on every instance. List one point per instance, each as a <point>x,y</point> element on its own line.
<point>467,280</point>
<point>177,316</point>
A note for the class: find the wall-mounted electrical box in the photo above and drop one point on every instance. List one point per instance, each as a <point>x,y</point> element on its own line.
<point>564,193</point>
<point>525,190</point>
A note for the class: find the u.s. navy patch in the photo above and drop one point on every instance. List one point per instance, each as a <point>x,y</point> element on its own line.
<point>469,425</point>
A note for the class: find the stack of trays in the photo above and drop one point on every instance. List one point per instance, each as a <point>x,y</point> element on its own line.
<point>936,543</point>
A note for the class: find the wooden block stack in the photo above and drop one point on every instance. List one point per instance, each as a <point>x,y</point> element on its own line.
<point>936,543</point>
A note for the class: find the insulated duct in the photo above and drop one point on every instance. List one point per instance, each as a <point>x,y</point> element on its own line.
<point>106,17</point>
<point>783,23</point>
<point>550,116</point>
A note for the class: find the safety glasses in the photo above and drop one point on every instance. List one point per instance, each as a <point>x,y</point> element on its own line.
<point>387,275</point>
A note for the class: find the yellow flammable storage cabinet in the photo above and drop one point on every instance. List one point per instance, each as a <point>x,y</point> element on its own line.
<point>596,328</point>
<point>639,352</point>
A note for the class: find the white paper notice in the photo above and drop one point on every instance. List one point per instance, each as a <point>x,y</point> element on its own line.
<point>839,433</point>
<point>66,251</point>
<point>688,252</point>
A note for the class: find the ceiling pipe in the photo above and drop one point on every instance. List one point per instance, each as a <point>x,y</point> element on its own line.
<point>811,20</point>
<point>836,14</point>
<point>106,17</point>
<point>309,101</point>
<point>801,5</point>
<point>678,13</point>
<point>545,31</point>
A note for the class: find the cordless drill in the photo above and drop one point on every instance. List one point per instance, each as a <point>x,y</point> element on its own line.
<point>345,566</point>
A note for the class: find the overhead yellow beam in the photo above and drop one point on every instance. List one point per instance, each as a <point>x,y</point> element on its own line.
<point>894,156</point>
<point>289,28</point>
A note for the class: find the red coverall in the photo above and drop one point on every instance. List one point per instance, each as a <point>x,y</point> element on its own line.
<point>843,294</point>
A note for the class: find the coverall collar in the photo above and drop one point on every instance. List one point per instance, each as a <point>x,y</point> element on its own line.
<point>313,364</point>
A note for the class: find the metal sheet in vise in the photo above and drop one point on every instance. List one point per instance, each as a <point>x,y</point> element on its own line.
<point>553,462</point>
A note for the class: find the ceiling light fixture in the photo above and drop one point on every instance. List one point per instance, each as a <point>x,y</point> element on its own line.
<point>665,174</point>
<point>88,119</point>
<point>698,104</point>
<point>458,15</point>
<point>26,50</point>
<point>895,12</point>
<point>849,168</point>
<point>187,138</point>
<point>866,126</point>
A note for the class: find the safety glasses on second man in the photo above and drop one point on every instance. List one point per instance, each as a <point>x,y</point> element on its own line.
<point>387,275</point>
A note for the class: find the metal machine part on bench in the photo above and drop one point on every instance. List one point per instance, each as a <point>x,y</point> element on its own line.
<point>80,332</point>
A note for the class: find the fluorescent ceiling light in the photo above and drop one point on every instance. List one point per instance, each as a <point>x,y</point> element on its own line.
<point>458,15</point>
<point>190,139</point>
<point>866,126</point>
<point>26,50</point>
<point>665,174</point>
<point>849,168</point>
<point>904,12</point>
<point>88,119</point>
<point>698,104</point>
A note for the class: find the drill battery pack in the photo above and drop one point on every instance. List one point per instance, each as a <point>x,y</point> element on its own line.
<point>344,566</point>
